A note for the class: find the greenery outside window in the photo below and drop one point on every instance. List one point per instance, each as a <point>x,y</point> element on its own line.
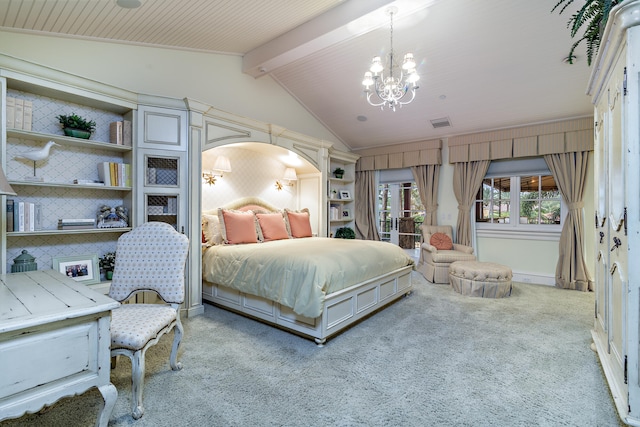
<point>523,203</point>
<point>536,196</point>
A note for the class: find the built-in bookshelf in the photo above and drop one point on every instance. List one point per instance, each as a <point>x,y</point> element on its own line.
<point>341,196</point>
<point>65,183</point>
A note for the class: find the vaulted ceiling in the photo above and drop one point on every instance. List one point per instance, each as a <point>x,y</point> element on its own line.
<point>483,64</point>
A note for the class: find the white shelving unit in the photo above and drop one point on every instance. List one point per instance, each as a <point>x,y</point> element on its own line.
<point>341,201</point>
<point>53,93</point>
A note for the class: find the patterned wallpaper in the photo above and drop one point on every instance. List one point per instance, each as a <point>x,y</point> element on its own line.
<point>253,175</point>
<point>63,165</point>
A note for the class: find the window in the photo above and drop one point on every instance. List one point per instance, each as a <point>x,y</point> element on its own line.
<point>526,199</point>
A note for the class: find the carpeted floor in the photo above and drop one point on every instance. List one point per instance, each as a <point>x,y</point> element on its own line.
<point>435,358</point>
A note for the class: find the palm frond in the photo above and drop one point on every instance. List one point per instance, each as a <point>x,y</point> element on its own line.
<point>592,16</point>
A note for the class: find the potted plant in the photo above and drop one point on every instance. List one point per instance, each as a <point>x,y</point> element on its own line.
<point>338,173</point>
<point>594,14</point>
<point>107,263</point>
<point>345,233</point>
<point>77,126</point>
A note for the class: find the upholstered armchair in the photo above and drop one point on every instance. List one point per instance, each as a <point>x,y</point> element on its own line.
<point>434,262</point>
<point>152,258</point>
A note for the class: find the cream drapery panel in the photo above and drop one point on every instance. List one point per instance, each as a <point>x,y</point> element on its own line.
<point>365,206</point>
<point>570,172</point>
<point>427,178</point>
<point>467,178</point>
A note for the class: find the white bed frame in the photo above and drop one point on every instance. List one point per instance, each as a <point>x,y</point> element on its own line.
<point>341,309</point>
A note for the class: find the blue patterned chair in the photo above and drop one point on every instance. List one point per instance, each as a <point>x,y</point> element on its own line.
<point>152,257</point>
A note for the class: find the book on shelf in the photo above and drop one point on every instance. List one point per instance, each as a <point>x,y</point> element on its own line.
<point>120,132</point>
<point>9,215</point>
<point>75,227</point>
<point>27,115</point>
<point>127,132</point>
<point>18,215</point>
<point>27,217</point>
<point>88,182</point>
<point>115,174</point>
<point>116,133</point>
<point>76,221</point>
<point>11,112</point>
<point>19,111</point>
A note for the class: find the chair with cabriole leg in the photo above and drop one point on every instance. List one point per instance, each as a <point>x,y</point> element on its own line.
<point>152,257</point>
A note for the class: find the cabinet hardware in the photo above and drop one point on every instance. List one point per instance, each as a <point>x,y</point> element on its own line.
<point>601,236</point>
<point>616,243</point>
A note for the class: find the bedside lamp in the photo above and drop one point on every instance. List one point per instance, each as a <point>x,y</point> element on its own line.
<point>5,188</point>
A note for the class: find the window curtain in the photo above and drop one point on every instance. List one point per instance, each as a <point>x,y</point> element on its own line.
<point>467,178</point>
<point>426,178</point>
<point>570,172</point>
<point>365,205</point>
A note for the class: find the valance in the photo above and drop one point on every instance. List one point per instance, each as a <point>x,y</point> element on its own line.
<point>416,154</point>
<point>558,137</point>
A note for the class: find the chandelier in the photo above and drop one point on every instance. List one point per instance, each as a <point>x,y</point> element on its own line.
<point>393,90</point>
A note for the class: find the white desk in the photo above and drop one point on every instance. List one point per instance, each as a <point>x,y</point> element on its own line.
<point>54,342</point>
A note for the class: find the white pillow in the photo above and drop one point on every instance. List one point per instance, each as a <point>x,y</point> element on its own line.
<point>211,229</point>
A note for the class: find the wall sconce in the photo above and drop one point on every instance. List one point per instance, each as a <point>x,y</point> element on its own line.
<point>221,165</point>
<point>289,177</point>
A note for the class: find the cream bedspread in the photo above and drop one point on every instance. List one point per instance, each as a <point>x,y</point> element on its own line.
<point>299,273</point>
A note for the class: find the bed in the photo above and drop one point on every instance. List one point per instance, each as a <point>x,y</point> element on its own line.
<point>264,263</point>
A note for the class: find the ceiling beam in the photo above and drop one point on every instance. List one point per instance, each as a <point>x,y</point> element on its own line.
<point>341,23</point>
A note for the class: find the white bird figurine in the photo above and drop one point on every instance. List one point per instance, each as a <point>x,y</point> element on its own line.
<point>36,155</point>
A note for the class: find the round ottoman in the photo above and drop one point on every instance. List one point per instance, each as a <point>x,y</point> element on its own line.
<point>480,279</point>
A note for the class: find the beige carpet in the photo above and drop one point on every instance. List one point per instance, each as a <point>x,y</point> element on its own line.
<point>435,358</point>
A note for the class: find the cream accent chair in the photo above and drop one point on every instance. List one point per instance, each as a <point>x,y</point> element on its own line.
<point>434,263</point>
<point>152,257</point>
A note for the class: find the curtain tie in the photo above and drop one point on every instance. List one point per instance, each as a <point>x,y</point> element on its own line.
<point>464,208</point>
<point>576,205</point>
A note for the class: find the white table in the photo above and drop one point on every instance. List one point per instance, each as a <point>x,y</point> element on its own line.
<point>54,342</point>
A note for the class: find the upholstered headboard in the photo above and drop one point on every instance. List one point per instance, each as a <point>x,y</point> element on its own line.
<point>245,203</point>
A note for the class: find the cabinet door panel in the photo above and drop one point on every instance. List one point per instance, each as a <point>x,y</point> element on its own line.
<point>162,128</point>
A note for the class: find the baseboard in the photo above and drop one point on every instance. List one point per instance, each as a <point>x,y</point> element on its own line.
<point>534,278</point>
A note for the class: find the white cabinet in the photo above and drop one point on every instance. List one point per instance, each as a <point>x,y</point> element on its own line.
<point>53,191</point>
<point>616,96</point>
<point>162,165</point>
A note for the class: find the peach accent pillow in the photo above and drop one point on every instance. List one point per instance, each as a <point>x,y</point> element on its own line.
<point>298,223</point>
<point>238,227</point>
<point>272,226</point>
<point>441,241</point>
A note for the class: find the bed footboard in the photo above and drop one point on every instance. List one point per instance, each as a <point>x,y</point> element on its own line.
<point>341,309</point>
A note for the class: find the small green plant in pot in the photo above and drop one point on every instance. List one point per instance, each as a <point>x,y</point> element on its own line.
<point>345,233</point>
<point>108,263</point>
<point>76,126</point>
<point>338,173</point>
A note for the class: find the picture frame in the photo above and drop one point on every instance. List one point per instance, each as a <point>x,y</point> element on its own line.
<point>345,194</point>
<point>346,213</point>
<point>81,268</point>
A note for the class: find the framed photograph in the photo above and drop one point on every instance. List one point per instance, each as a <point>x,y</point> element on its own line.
<point>345,194</point>
<point>81,268</point>
<point>346,213</point>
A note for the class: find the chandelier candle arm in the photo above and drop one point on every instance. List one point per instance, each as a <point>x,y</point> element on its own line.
<point>391,91</point>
